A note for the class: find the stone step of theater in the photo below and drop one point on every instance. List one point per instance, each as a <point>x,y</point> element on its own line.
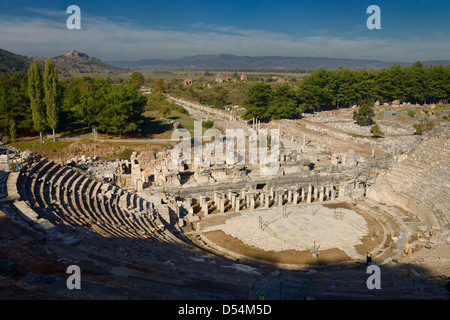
<point>109,259</point>
<point>420,183</point>
<point>3,184</point>
<point>52,195</point>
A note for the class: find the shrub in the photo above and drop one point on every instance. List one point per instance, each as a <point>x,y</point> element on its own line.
<point>208,124</point>
<point>411,113</point>
<point>419,128</point>
<point>376,131</point>
<point>364,115</point>
<point>165,110</point>
<point>182,110</point>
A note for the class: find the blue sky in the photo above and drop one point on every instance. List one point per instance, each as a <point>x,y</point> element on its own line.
<point>132,30</point>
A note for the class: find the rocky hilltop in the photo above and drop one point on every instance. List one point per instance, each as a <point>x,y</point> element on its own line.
<point>75,64</point>
<point>71,64</point>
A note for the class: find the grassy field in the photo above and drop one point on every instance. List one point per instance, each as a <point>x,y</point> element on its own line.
<point>33,143</point>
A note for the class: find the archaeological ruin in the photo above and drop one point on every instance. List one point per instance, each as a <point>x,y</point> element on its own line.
<point>162,228</point>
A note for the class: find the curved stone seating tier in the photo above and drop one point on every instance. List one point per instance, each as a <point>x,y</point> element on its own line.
<point>420,184</point>
<point>65,196</point>
<point>3,184</point>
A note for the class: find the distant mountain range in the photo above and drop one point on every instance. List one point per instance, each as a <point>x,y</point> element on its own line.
<point>232,62</point>
<point>71,64</point>
<point>75,63</point>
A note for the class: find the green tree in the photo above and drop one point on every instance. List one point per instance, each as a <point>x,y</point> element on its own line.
<point>376,131</point>
<point>208,124</point>
<point>283,104</point>
<point>36,94</point>
<point>88,98</point>
<point>364,116</point>
<point>137,78</point>
<point>216,97</point>
<point>416,83</point>
<point>51,95</point>
<point>159,87</point>
<point>15,103</point>
<point>12,130</point>
<point>165,110</point>
<point>121,111</point>
<point>257,101</point>
<point>316,90</point>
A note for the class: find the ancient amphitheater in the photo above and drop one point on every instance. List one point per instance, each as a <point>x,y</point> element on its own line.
<point>151,228</point>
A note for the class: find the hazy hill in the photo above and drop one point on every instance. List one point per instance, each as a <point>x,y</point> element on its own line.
<point>71,64</point>
<point>75,63</point>
<point>12,62</point>
<point>229,61</point>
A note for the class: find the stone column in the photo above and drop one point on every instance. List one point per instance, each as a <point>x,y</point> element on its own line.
<point>139,185</point>
<point>233,200</point>
<point>289,199</point>
<point>308,199</point>
<point>315,193</point>
<point>327,193</point>
<point>238,203</point>
<point>341,191</point>
<point>303,194</point>
<point>280,199</point>
<point>321,194</point>
<point>267,201</point>
<point>295,197</point>
<point>252,201</point>
<point>222,204</point>
<point>204,205</point>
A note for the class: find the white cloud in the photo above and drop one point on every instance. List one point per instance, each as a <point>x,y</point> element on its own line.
<point>122,40</point>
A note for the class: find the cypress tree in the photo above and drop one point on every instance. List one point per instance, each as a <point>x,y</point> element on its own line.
<point>50,99</point>
<point>36,94</point>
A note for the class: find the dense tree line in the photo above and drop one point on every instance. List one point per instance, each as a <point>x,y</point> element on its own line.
<point>15,103</point>
<point>331,89</point>
<point>266,101</point>
<point>111,108</point>
<point>36,101</point>
<point>325,89</point>
<point>215,96</point>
